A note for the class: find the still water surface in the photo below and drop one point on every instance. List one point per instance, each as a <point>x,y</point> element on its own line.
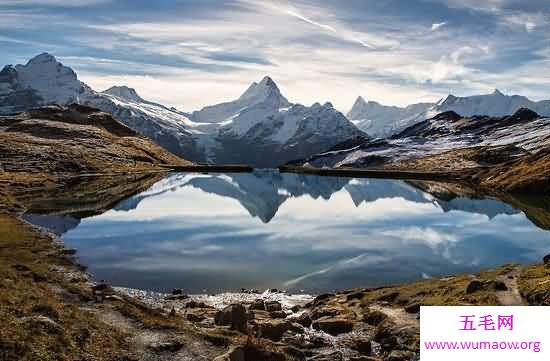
<point>211,233</point>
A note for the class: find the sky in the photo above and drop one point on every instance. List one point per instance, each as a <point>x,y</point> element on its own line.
<point>192,53</point>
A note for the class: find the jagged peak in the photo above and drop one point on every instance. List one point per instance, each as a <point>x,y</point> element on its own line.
<point>497,92</point>
<point>266,88</point>
<point>359,101</point>
<point>123,92</point>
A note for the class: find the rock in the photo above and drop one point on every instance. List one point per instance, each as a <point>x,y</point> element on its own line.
<point>474,286</point>
<point>400,356</point>
<point>257,305</point>
<point>273,329</point>
<point>101,287</point>
<point>271,306</point>
<point>362,345</point>
<point>295,308</point>
<point>322,299</point>
<point>412,308</point>
<point>374,318</point>
<point>166,346</point>
<point>177,291</point>
<point>233,315</point>
<point>323,312</point>
<point>304,319</point>
<point>195,304</point>
<point>193,317</point>
<point>254,353</point>
<point>546,259</point>
<point>277,314</point>
<point>333,326</point>
<point>500,286</point>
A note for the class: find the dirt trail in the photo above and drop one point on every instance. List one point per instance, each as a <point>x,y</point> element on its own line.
<point>510,297</point>
<point>160,345</point>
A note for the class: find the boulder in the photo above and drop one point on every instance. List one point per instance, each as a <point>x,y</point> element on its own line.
<point>546,259</point>
<point>304,319</point>
<point>362,345</point>
<point>500,286</point>
<point>271,306</point>
<point>374,318</point>
<point>474,286</point>
<point>257,305</point>
<point>333,325</point>
<point>233,315</point>
<point>277,314</point>
<point>323,311</point>
<point>273,329</point>
<point>412,308</point>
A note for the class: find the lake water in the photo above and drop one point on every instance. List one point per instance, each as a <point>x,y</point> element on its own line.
<point>223,232</point>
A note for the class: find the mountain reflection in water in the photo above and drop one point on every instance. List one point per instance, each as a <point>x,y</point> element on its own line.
<point>265,229</point>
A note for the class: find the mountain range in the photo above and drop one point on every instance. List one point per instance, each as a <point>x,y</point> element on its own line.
<point>383,121</point>
<point>261,128</point>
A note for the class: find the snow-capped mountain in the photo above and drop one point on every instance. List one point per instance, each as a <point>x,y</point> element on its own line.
<point>525,132</point>
<point>495,104</point>
<point>383,121</point>
<point>44,81</point>
<point>379,120</point>
<point>261,127</point>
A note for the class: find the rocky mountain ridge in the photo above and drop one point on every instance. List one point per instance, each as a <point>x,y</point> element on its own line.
<point>261,128</point>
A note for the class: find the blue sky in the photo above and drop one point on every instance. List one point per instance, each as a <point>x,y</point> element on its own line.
<point>190,53</point>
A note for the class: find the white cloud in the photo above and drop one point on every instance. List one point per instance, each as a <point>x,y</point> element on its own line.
<point>437,26</point>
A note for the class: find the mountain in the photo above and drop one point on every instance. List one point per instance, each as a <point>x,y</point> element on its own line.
<point>379,120</point>
<point>265,95</point>
<point>495,104</point>
<point>45,81</point>
<point>383,121</point>
<point>261,127</point>
<point>479,149</point>
<point>264,129</point>
<point>76,139</point>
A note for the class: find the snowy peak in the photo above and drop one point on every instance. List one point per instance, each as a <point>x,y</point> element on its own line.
<point>124,93</point>
<point>259,92</point>
<point>54,82</point>
<point>265,95</point>
<point>359,109</point>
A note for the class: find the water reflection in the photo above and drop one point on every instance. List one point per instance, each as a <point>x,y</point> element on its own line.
<point>266,229</point>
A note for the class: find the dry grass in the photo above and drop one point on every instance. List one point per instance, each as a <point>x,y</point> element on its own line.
<point>27,290</point>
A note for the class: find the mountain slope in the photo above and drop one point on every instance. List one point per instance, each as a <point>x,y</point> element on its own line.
<point>78,139</point>
<point>478,148</point>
